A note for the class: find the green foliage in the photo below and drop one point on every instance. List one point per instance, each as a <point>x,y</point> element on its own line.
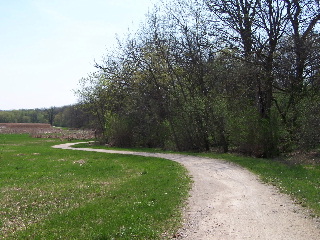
<point>253,135</point>
<point>51,193</point>
<point>244,87</point>
<point>118,131</point>
<point>308,133</point>
<point>23,116</point>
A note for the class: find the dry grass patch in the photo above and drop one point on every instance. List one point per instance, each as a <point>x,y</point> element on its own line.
<point>42,130</point>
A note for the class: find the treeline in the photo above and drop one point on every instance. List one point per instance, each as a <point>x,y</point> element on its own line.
<point>198,75</point>
<point>23,116</point>
<point>71,116</point>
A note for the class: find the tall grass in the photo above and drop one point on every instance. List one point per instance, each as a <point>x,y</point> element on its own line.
<point>50,193</point>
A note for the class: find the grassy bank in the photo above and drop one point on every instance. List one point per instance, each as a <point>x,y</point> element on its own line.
<point>50,193</point>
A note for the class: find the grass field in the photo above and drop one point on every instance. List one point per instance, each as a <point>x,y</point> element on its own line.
<point>50,193</point>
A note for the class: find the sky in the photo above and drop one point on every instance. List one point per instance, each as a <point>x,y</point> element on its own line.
<point>47,46</point>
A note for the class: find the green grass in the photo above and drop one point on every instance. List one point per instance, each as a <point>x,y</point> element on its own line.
<point>48,193</point>
<point>301,181</point>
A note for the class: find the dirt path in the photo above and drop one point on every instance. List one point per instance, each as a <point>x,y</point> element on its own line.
<point>228,202</point>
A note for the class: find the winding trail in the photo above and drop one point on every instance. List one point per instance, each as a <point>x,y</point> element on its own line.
<point>228,202</point>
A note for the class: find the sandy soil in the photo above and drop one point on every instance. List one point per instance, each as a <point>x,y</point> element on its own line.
<point>229,202</point>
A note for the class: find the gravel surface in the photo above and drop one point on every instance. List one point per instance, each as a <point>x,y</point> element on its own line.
<point>228,202</point>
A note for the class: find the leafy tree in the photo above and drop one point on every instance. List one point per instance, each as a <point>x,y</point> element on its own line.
<point>212,74</point>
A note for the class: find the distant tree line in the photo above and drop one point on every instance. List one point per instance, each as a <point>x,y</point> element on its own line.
<point>213,74</point>
<point>71,116</point>
<point>22,116</point>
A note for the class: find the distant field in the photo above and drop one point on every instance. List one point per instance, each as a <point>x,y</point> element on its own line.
<point>43,130</point>
<point>25,125</point>
<point>48,193</point>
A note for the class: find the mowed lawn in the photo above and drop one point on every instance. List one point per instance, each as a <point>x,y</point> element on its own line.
<point>48,193</point>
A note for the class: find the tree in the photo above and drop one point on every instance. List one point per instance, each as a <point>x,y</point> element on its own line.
<point>50,114</point>
<point>253,28</point>
<point>209,74</point>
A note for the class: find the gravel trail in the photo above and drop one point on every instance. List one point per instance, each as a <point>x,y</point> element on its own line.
<point>228,202</point>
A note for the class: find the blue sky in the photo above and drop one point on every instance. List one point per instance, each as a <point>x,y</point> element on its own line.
<point>47,46</point>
